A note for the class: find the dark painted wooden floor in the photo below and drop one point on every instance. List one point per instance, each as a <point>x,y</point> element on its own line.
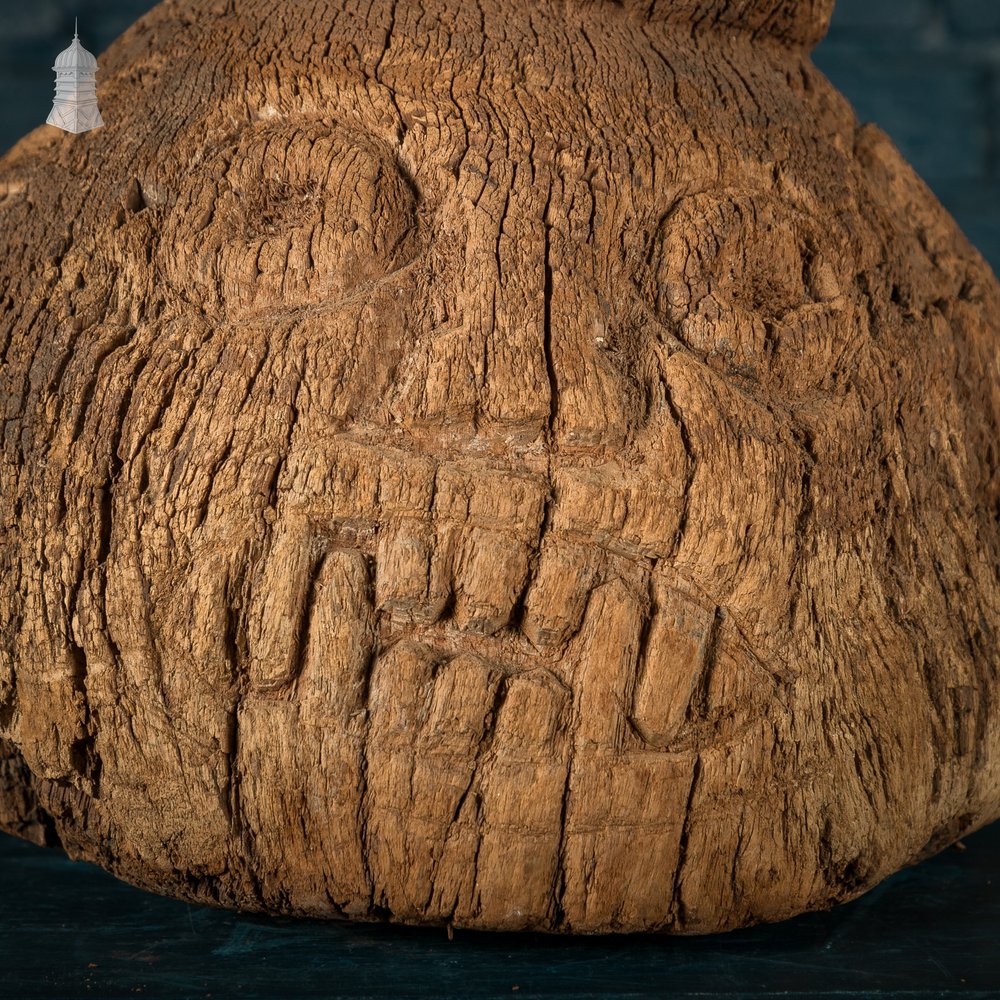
<point>69,930</point>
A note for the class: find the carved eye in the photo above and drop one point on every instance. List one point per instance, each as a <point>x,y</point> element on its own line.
<point>734,273</point>
<point>739,251</point>
<point>289,215</point>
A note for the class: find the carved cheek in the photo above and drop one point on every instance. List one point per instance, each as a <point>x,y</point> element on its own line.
<point>289,215</point>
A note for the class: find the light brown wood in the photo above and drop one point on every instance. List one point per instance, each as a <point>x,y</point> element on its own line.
<point>524,465</point>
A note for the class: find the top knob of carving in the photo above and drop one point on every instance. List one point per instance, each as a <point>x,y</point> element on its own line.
<point>799,22</point>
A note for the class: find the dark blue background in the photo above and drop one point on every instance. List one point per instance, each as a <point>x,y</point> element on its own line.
<point>928,71</point>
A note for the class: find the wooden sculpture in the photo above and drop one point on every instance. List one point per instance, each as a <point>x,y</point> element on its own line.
<point>505,464</point>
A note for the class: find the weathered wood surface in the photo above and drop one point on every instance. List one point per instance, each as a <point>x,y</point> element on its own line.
<point>515,465</point>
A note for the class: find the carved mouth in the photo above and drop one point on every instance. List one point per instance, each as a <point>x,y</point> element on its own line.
<point>467,558</point>
<point>500,666</point>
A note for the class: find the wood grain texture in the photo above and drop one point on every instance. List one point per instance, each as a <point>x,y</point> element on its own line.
<point>508,465</point>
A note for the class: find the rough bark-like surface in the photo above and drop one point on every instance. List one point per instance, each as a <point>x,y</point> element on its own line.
<point>521,465</point>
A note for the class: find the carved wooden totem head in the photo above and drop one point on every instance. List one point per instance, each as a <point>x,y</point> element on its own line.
<point>522,465</point>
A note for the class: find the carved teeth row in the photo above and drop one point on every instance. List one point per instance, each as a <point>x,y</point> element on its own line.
<point>465,759</point>
<point>463,530</point>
